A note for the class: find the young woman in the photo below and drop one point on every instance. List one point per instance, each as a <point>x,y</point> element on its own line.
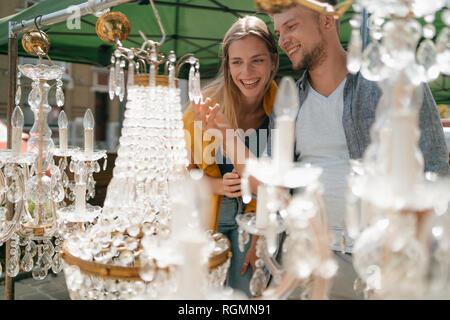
<point>245,91</point>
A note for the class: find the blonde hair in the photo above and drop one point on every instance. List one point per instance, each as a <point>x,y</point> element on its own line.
<point>222,89</point>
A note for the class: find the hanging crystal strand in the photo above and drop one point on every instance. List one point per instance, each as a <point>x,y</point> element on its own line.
<point>130,78</point>
<point>59,93</point>
<point>172,60</point>
<point>427,52</point>
<point>152,78</point>
<point>197,88</point>
<point>429,30</point>
<point>427,57</point>
<point>191,82</point>
<point>18,90</point>
<point>117,69</point>
<point>355,46</point>
<point>121,84</point>
<point>111,82</point>
<point>153,61</point>
<point>443,50</point>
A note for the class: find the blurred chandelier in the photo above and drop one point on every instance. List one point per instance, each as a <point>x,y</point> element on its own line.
<point>398,215</point>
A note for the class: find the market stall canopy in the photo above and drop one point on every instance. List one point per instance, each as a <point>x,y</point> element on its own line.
<point>192,26</point>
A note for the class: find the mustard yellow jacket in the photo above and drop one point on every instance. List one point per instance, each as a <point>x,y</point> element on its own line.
<point>212,169</point>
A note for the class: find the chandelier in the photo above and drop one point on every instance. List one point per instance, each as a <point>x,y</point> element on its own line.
<point>117,257</point>
<point>397,214</point>
<point>31,181</point>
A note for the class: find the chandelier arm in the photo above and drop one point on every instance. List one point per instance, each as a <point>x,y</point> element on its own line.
<point>287,285</point>
<point>271,263</point>
<point>160,43</point>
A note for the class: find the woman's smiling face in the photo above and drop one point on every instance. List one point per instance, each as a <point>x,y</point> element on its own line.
<point>250,65</point>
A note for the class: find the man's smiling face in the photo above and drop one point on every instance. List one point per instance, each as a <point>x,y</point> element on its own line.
<point>300,37</point>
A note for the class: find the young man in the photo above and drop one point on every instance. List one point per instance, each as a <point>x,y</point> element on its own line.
<point>336,112</point>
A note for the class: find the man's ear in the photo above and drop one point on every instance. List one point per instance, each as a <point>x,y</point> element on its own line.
<point>327,22</point>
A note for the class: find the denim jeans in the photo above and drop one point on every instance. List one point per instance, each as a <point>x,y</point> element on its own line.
<point>227,225</point>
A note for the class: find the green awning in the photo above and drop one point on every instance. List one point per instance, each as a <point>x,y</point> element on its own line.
<point>192,26</point>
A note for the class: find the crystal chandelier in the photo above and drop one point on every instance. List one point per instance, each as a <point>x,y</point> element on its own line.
<point>397,214</point>
<point>31,181</point>
<point>307,260</point>
<point>113,258</point>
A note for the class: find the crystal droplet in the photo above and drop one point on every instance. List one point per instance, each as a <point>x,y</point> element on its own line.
<point>354,52</point>
<point>445,16</point>
<point>443,49</point>
<point>105,164</point>
<point>96,167</point>
<point>429,31</point>
<point>27,262</point>
<point>59,97</point>
<point>111,83</point>
<point>48,248</point>
<point>65,179</point>
<point>12,268</point>
<point>57,192</point>
<point>152,78</point>
<point>34,97</point>
<point>18,95</point>
<point>148,271</point>
<point>243,239</point>
<point>31,248</point>
<point>57,263</point>
<point>171,76</point>
<point>372,68</point>
<point>15,192</point>
<point>197,88</point>
<point>117,69</point>
<point>427,57</point>
<point>191,83</point>
<point>39,273</point>
<point>46,261</point>
<point>121,84</point>
<point>258,282</point>
<point>130,79</point>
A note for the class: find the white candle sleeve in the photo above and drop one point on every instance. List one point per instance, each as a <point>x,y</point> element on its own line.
<point>404,164</point>
<point>63,139</point>
<point>283,141</point>
<point>16,143</point>
<point>88,140</point>
<point>262,213</point>
<point>193,271</point>
<point>80,198</point>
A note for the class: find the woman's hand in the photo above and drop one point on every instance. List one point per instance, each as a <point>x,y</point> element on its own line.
<point>231,183</point>
<point>211,116</point>
<point>250,257</point>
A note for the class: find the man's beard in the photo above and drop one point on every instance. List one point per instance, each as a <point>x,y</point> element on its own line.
<point>313,58</point>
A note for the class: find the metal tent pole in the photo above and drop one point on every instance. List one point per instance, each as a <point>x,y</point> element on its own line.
<point>12,65</point>
<point>62,15</point>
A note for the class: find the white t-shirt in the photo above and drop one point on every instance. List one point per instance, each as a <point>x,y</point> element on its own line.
<point>321,141</point>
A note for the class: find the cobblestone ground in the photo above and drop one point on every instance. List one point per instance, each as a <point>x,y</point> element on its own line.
<point>51,288</point>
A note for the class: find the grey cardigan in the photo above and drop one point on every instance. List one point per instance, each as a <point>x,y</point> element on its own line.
<point>361,97</point>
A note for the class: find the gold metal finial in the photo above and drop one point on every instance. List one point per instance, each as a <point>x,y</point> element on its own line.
<point>112,26</point>
<point>36,43</point>
<point>276,6</point>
